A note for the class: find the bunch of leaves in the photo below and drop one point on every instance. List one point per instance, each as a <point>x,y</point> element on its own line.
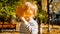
<point>7,8</point>
<point>41,14</point>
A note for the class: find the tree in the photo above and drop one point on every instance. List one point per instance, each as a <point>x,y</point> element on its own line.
<point>48,4</point>
<point>7,8</point>
<point>39,2</point>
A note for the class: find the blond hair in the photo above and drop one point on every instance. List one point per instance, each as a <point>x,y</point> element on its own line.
<point>26,10</point>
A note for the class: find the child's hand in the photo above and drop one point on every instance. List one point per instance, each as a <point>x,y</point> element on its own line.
<point>23,18</point>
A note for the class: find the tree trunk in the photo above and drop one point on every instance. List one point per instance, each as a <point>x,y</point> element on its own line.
<point>49,27</point>
<point>38,21</point>
<point>48,15</point>
<point>48,3</point>
<point>41,27</point>
<point>10,19</point>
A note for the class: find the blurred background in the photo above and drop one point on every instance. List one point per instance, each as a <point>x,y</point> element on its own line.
<point>48,12</point>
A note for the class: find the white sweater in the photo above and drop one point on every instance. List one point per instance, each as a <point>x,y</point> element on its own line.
<point>30,28</point>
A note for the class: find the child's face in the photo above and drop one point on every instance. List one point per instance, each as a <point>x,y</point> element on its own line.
<point>30,14</point>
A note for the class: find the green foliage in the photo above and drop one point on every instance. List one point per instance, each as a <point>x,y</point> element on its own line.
<point>41,13</point>
<point>7,8</point>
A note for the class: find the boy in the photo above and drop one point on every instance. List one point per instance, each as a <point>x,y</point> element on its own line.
<point>29,25</point>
